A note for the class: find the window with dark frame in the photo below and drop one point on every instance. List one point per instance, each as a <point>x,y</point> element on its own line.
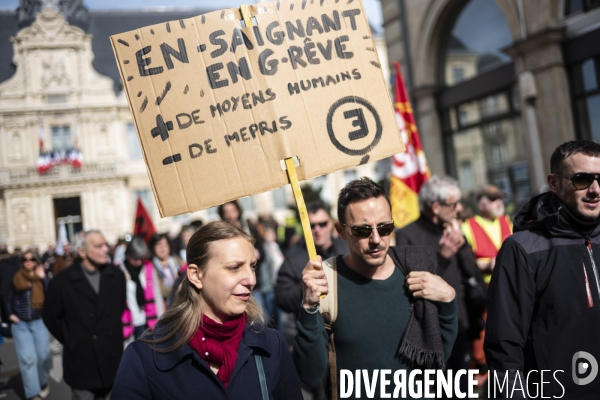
<point>576,6</point>
<point>585,79</point>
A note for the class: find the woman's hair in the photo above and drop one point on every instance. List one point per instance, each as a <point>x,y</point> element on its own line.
<point>237,205</point>
<point>137,248</point>
<point>34,255</point>
<point>182,319</point>
<point>157,237</point>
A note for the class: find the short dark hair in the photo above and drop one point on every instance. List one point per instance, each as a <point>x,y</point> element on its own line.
<point>316,205</point>
<point>358,190</point>
<point>157,237</point>
<point>235,203</point>
<point>567,149</point>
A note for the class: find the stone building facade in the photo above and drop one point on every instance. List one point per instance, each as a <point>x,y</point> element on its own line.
<point>495,114</point>
<point>60,90</point>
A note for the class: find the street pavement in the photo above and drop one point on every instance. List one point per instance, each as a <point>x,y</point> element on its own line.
<point>11,384</point>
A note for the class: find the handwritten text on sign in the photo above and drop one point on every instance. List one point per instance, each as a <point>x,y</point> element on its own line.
<point>217,105</point>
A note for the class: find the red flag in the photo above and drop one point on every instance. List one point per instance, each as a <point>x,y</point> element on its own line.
<point>143,223</point>
<point>409,169</point>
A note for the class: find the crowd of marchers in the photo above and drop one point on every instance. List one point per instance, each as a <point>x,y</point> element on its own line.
<point>235,309</point>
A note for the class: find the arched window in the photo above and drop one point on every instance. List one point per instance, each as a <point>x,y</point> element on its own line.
<point>475,41</point>
<point>484,138</point>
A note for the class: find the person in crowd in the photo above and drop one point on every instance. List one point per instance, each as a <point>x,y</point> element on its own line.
<point>271,262</point>
<point>145,303</point>
<point>437,226</point>
<point>288,288</point>
<point>167,265</point>
<point>371,286</point>
<point>63,261</point>
<point>544,296</point>
<point>289,280</point>
<point>83,310</point>
<point>3,248</point>
<point>49,253</point>
<point>212,341</point>
<point>485,233</point>
<point>32,342</point>
<point>10,263</point>
<point>183,239</point>
<point>118,251</point>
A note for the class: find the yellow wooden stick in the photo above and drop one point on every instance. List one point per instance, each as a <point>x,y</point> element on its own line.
<point>246,14</point>
<point>293,178</point>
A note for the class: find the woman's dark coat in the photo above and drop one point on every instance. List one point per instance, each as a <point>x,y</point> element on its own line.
<point>87,324</point>
<point>182,374</point>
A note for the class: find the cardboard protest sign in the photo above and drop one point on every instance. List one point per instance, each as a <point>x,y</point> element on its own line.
<point>218,105</point>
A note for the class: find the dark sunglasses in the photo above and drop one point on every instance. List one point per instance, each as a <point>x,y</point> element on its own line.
<point>582,180</point>
<point>321,224</point>
<point>27,259</point>
<point>364,231</point>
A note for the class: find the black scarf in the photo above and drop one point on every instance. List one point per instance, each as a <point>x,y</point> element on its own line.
<point>134,275</point>
<point>421,344</point>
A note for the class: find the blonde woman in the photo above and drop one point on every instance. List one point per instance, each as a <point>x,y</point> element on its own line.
<point>212,342</point>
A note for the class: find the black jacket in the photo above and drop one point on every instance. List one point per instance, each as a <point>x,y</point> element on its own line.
<point>288,289</point>
<point>539,310</point>
<point>422,232</point>
<point>19,303</point>
<point>181,374</point>
<point>87,324</point>
<point>9,265</point>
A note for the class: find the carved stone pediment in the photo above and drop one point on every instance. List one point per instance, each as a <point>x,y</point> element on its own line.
<point>51,26</point>
<point>55,71</point>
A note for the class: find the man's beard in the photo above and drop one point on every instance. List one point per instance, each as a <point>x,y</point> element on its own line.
<point>574,209</point>
<point>370,262</point>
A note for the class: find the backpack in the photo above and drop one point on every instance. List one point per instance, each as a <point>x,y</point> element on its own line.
<point>403,257</point>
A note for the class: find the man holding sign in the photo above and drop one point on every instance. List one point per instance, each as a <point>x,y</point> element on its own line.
<point>373,311</point>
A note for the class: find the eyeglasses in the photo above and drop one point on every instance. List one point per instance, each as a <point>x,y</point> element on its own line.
<point>452,206</point>
<point>582,180</point>
<point>364,231</point>
<point>320,224</point>
<point>27,259</point>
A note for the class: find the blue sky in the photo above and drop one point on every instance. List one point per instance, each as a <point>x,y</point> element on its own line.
<point>372,7</point>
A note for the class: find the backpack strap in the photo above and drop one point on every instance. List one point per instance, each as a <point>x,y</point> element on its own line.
<point>328,309</point>
<point>328,305</point>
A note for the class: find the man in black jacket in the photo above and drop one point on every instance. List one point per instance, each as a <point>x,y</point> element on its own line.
<point>82,310</point>
<point>543,327</point>
<point>439,203</point>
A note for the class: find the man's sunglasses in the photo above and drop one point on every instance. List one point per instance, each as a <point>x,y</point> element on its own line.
<point>582,180</point>
<point>320,224</point>
<point>364,231</point>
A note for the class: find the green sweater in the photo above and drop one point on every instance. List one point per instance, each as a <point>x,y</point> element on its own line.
<point>372,317</point>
